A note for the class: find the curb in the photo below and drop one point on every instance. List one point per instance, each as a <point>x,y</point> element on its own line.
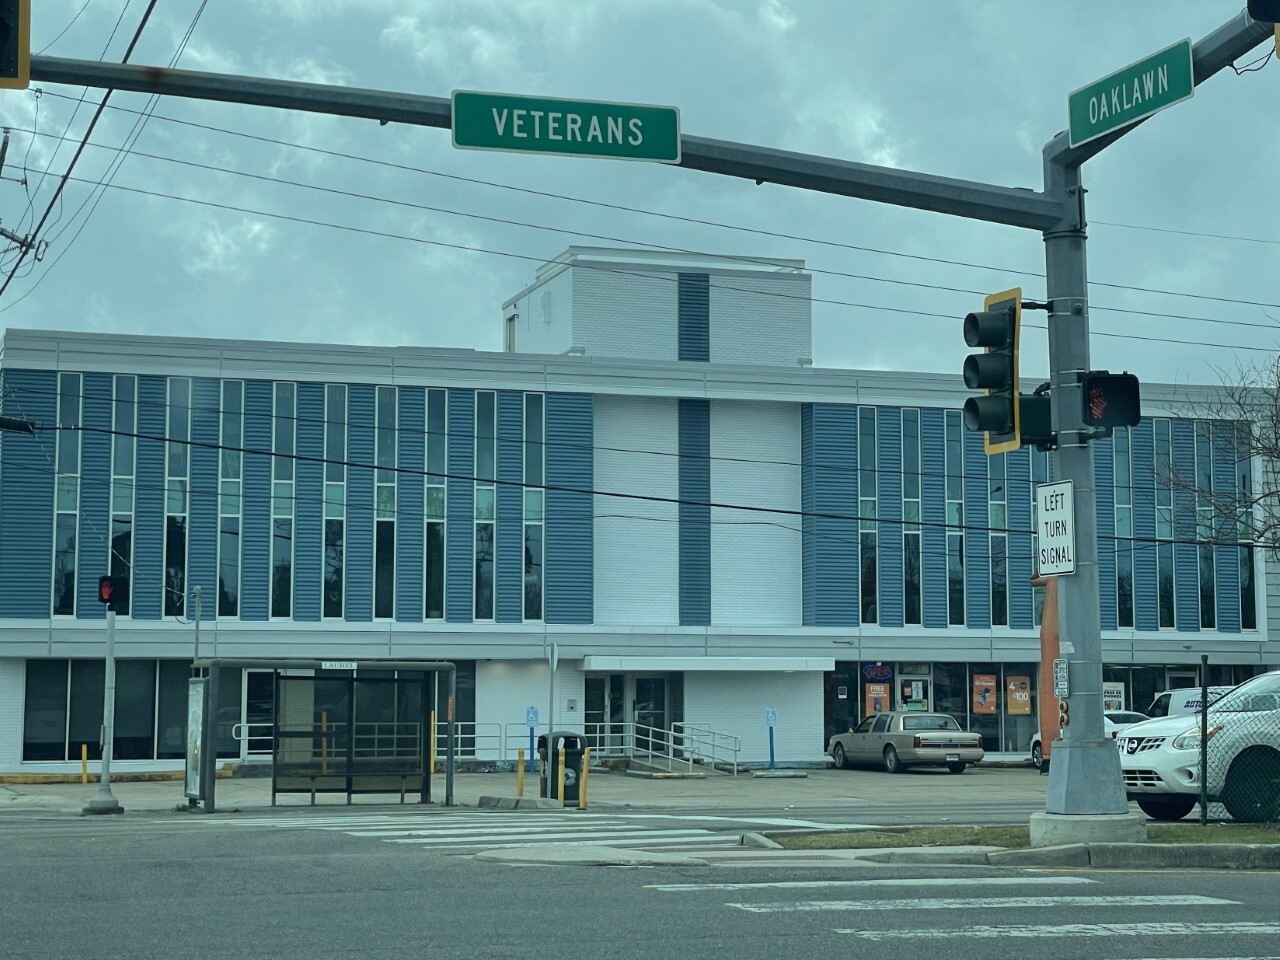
<point>663,775</point>
<point>1210,856</point>
<point>570,856</point>
<point>760,840</point>
<point>778,774</point>
<point>518,803</point>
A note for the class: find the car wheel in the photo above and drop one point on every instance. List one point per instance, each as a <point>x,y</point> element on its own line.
<point>1251,793</point>
<point>837,754</point>
<point>956,767</point>
<point>1166,808</point>
<point>1037,755</point>
<point>892,764</point>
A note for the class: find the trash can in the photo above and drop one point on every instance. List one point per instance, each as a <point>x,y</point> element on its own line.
<point>574,745</point>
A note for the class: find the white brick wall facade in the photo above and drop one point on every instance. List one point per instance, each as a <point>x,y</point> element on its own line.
<point>735,703</point>
<point>504,691</point>
<point>756,574</point>
<point>626,314</point>
<point>761,319</point>
<point>12,689</point>
<point>637,569</point>
<point>545,322</point>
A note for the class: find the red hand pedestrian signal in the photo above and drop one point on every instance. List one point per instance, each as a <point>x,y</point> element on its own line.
<point>106,586</point>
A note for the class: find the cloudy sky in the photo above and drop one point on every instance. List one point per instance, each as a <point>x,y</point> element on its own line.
<point>968,89</point>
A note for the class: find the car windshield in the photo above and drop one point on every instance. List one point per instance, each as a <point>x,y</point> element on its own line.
<point>929,723</point>
<point>1259,694</point>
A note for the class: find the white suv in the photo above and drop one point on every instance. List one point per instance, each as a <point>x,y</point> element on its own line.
<point>1160,759</point>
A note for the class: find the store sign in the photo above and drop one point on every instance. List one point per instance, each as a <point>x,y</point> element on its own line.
<point>985,686</point>
<point>1017,700</point>
<point>878,671</point>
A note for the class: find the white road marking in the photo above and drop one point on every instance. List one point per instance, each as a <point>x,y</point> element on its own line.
<point>891,882</point>
<point>975,903</point>
<point>693,834</point>
<point>1073,930</point>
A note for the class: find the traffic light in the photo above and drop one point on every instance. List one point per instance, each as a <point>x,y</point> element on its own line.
<point>1110,399</point>
<point>113,591</point>
<point>1064,716</point>
<point>995,371</point>
<point>1266,11</point>
<point>15,44</point>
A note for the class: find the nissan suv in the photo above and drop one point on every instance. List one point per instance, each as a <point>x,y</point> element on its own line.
<point>1160,759</point>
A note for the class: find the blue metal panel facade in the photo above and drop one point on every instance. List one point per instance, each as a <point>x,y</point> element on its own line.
<point>1186,566</point>
<point>460,542</point>
<point>933,512</point>
<point>147,584</point>
<point>358,559</point>
<point>1104,478</point>
<point>569,569</point>
<point>833,468</point>
<point>509,562</point>
<point>26,496</point>
<point>1021,608</point>
<point>808,523</point>
<point>93,537</point>
<point>202,523</point>
<point>255,523</point>
<point>889,500</point>
<point>977,541</point>
<point>412,419</point>
<point>1145,598</point>
<point>694,433</point>
<point>308,527</point>
<point>693,316</point>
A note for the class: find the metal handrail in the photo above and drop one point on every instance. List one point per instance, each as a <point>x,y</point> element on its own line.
<point>709,745</point>
<point>485,738</point>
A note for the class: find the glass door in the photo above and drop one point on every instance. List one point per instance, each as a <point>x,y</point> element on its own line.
<point>649,711</point>
<point>259,713</point>
<point>913,693</point>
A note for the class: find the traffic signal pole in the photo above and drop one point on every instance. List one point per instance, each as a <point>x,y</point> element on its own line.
<point>1084,779</point>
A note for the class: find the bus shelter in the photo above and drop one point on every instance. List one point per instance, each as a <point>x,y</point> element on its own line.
<point>350,727</point>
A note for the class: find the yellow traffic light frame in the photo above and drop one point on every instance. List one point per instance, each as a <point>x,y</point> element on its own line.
<point>991,302</point>
<point>22,79</point>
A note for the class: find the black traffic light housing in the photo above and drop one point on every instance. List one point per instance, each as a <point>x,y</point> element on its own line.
<point>1266,11</point>
<point>15,44</point>
<point>113,591</point>
<point>1110,400</point>
<point>995,371</point>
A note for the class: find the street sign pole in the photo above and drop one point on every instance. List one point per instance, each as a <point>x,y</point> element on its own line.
<point>1084,777</point>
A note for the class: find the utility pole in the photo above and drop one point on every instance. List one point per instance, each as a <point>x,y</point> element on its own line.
<point>104,801</point>
<point>196,594</point>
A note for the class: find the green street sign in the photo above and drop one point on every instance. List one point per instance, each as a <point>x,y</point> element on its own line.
<point>1129,95</point>
<point>567,128</point>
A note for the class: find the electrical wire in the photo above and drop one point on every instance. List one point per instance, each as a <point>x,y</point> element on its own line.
<point>741,228</point>
<point>46,47</point>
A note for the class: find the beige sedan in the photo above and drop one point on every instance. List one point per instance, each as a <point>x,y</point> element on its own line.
<point>907,739</point>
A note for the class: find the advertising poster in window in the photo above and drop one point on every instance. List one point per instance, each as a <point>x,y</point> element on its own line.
<point>195,731</point>
<point>1112,696</point>
<point>984,693</point>
<point>1017,701</point>
<point>877,698</point>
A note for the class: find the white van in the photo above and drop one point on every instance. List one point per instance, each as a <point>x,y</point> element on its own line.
<point>1175,703</point>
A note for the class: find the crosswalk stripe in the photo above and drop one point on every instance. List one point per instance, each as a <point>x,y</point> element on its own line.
<point>557,837</point>
<point>498,830</point>
<point>1172,929</point>
<point>645,843</point>
<point>983,903</point>
<point>883,882</point>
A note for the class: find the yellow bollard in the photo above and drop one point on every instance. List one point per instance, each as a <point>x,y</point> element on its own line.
<point>582,783</point>
<point>84,763</point>
<point>520,772</point>
<point>432,741</point>
<point>560,779</point>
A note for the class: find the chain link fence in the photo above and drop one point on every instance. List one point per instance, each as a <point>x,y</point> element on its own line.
<point>1240,754</point>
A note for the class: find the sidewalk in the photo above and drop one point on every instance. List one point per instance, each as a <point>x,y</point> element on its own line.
<point>820,789</point>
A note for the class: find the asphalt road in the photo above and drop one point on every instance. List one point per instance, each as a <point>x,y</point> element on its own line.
<point>174,889</point>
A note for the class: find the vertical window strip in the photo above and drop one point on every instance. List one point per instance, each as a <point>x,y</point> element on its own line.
<point>1208,595</point>
<point>230,497</point>
<point>997,512</point>
<point>534,502</point>
<point>124,421</point>
<point>911,572</point>
<point>485,500</point>
<point>1122,454</point>
<point>283,467</point>
<point>434,504</point>
<point>1163,480</point>
<point>67,496</point>
<point>335,500</point>
<point>868,524</point>
<point>384,540</point>
<point>1244,490</point>
<point>177,495</point>
<point>1039,474</point>
<point>955,518</point>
